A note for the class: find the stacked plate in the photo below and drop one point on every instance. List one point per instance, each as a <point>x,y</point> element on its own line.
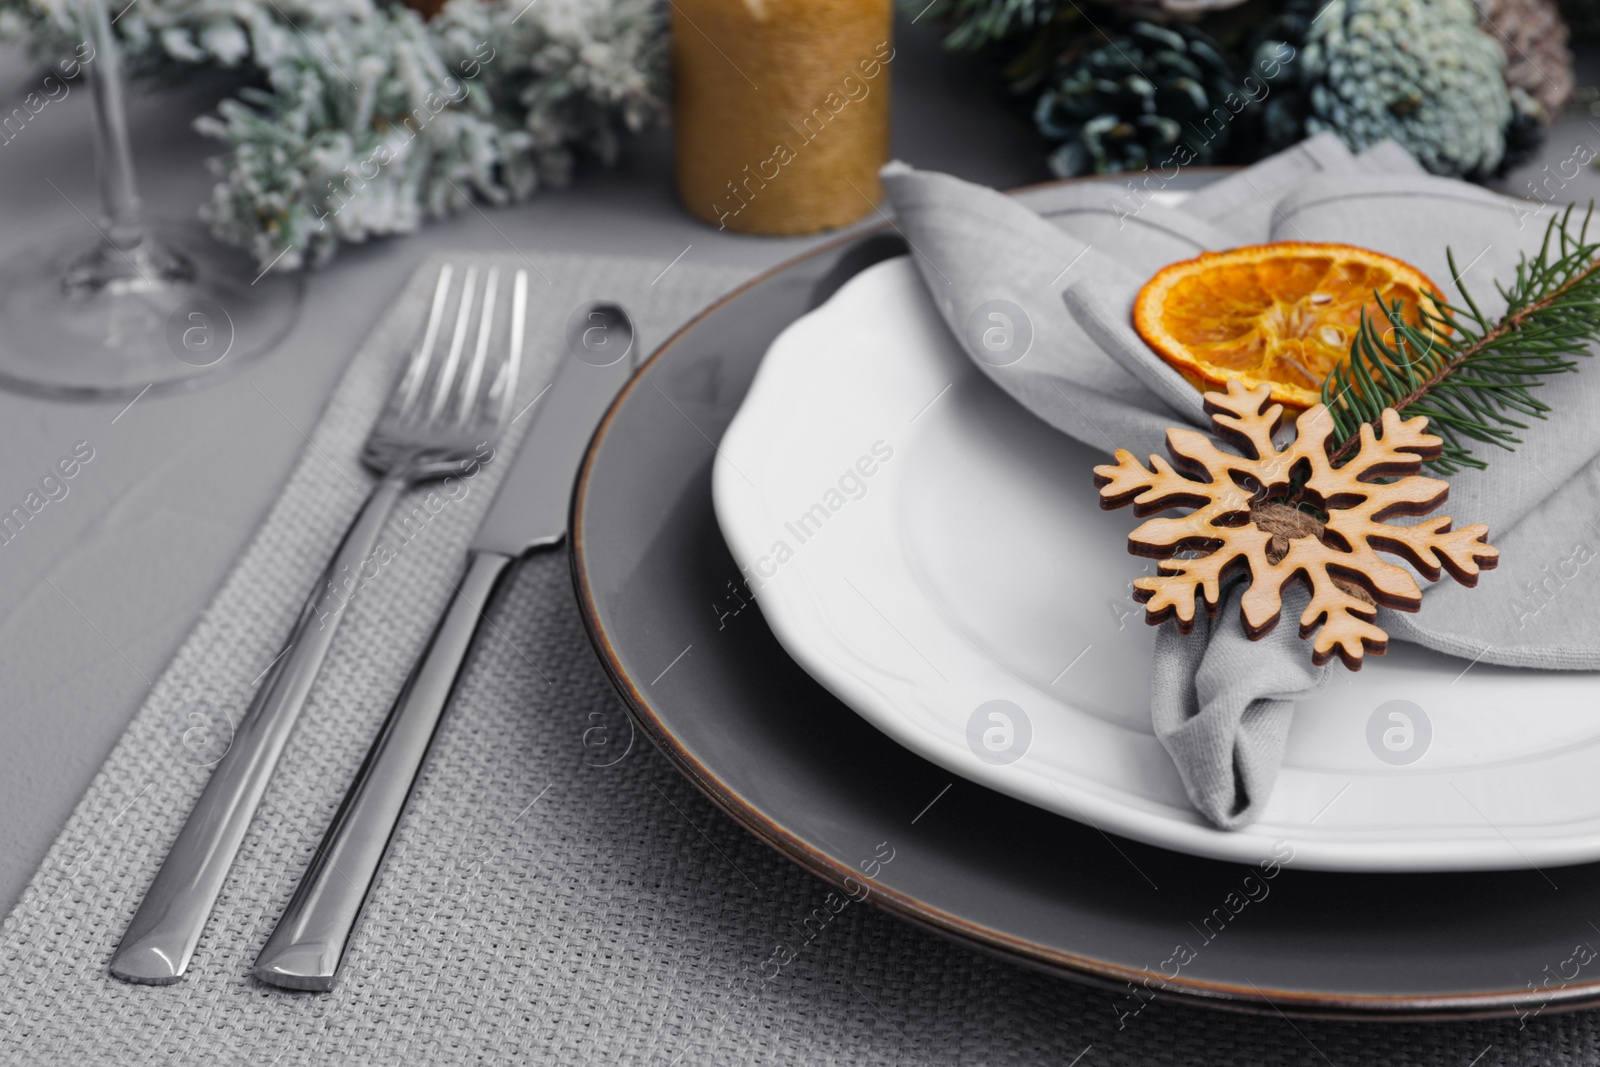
<point>873,609</point>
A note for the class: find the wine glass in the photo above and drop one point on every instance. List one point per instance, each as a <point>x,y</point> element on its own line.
<point>141,304</point>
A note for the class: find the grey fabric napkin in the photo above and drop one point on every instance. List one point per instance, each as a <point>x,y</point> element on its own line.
<point>1221,704</point>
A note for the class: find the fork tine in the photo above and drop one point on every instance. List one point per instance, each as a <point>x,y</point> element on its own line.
<point>417,370</point>
<point>458,340</point>
<point>468,397</point>
<point>505,387</point>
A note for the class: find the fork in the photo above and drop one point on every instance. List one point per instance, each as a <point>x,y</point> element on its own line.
<point>440,420</point>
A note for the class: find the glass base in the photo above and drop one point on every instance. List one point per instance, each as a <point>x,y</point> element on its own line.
<point>168,310</point>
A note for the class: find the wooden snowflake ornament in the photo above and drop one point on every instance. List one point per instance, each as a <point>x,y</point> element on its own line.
<point>1288,515</point>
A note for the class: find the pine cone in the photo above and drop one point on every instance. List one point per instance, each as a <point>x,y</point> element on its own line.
<point>1533,36</point>
<point>1129,101</point>
<point>1456,104</point>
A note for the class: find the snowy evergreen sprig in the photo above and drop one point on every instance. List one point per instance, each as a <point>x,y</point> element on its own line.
<point>359,119</point>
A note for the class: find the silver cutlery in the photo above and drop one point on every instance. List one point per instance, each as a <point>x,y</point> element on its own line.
<point>443,412</point>
<point>528,512</point>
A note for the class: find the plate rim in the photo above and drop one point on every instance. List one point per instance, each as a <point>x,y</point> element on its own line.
<point>1249,998</point>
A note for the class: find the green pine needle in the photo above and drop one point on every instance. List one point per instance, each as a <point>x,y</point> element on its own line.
<point>1474,379</point>
<point>971,25</point>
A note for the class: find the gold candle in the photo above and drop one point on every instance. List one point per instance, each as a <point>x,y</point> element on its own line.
<point>782,110</point>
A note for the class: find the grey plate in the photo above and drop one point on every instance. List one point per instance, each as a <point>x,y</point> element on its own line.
<point>713,689</point>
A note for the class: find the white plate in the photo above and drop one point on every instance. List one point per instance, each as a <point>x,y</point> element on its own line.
<point>973,564</point>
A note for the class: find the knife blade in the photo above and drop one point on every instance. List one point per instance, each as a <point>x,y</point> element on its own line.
<point>530,507</point>
<point>529,511</point>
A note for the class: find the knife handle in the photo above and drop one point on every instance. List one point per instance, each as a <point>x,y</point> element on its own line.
<point>162,935</point>
<point>308,944</point>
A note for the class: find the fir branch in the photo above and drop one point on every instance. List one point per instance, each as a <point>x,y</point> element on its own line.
<point>971,25</point>
<point>1475,379</point>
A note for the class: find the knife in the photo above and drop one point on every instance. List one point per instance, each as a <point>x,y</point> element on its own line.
<point>530,511</point>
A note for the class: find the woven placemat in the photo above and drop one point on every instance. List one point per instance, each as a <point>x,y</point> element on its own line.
<point>557,893</point>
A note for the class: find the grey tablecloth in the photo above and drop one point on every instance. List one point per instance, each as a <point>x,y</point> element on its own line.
<point>557,893</point>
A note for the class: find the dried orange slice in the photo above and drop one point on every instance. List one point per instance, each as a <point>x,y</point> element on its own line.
<point>1282,313</point>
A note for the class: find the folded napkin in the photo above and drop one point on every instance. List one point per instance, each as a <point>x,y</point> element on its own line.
<point>1074,260</point>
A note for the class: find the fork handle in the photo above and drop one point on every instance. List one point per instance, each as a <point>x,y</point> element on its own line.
<point>161,939</point>
<point>308,944</point>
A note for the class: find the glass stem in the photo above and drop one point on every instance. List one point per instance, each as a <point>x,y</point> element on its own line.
<point>119,187</point>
